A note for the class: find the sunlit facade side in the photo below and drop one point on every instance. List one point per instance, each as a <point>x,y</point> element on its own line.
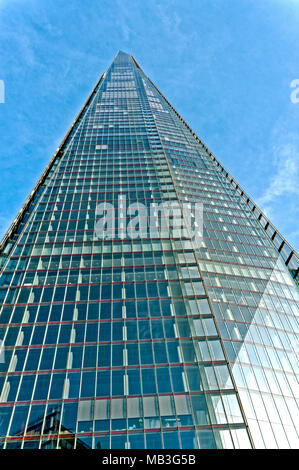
<point>156,341</point>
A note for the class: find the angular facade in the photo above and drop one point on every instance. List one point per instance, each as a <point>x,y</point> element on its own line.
<point>145,301</point>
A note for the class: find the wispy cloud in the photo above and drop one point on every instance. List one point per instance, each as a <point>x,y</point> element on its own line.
<point>285,180</point>
<point>279,198</point>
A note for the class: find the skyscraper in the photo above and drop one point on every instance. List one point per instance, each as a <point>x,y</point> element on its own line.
<point>146,302</point>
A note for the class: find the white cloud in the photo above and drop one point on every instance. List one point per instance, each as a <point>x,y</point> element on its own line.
<point>285,180</point>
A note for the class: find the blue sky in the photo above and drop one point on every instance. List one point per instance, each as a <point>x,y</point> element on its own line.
<point>225,65</point>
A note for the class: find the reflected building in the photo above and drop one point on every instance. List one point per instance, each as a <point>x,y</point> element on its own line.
<point>50,426</point>
<point>145,301</point>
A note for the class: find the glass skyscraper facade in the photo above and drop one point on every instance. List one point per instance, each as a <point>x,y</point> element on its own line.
<point>116,336</point>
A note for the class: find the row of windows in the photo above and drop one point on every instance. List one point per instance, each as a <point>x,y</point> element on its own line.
<point>90,276</point>
<point>82,311</point>
<point>151,245</point>
<point>115,331</point>
<point>105,292</point>
<point>264,260</point>
<point>252,299</point>
<point>137,258</point>
<point>120,354</point>
<point>253,316</point>
<point>185,439</point>
<point>236,247</point>
<point>121,414</point>
<point>115,382</point>
<point>276,279</point>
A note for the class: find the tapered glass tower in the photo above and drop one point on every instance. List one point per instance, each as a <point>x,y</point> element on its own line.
<point>145,301</point>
